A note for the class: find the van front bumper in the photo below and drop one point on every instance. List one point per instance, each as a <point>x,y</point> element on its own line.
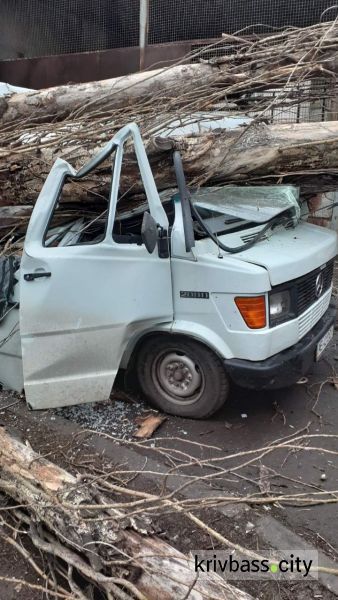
<point>286,367</point>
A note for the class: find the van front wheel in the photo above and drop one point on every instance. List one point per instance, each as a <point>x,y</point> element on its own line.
<point>181,377</point>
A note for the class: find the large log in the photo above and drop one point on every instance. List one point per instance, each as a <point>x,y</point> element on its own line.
<point>58,102</point>
<point>56,506</point>
<point>246,66</point>
<point>75,121</point>
<point>255,153</point>
<point>299,153</point>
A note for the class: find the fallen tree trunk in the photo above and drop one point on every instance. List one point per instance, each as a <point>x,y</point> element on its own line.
<point>242,67</point>
<point>73,122</point>
<point>256,153</point>
<point>57,511</point>
<point>59,102</point>
<point>305,154</point>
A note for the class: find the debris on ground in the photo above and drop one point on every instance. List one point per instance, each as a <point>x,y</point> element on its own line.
<point>148,425</point>
<point>116,417</point>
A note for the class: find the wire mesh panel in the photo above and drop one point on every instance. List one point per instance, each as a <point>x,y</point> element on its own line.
<point>311,102</point>
<point>304,102</point>
<point>174,20</point>
<point>307,102</point>
<point>46,27</point>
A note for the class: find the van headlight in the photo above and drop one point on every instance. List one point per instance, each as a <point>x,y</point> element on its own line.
<point>280,309</point>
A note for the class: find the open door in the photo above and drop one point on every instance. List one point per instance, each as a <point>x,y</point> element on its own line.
<point>85,290</point>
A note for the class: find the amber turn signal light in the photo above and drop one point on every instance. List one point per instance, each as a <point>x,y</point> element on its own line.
<point>252,310</point>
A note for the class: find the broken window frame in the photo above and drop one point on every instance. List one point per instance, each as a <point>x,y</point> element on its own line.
<point>61,171</point>
<point>95,162</point>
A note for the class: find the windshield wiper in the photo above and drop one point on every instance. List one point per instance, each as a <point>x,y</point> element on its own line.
<point>278,220</point>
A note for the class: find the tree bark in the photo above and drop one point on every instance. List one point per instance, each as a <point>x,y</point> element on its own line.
<point>58,102</point>
<point>256,153</point>
<point>56,506</point>
<point>304,154</point>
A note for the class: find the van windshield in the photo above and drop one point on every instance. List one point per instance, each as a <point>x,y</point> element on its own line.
<point>225,209</point>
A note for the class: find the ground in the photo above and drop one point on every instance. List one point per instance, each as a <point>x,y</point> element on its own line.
<point>248,421</point>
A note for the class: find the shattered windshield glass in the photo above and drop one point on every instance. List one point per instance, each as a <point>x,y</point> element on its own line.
<point>255,204</point>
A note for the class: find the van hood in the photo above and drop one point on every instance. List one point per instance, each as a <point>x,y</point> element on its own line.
<point>290,253</point>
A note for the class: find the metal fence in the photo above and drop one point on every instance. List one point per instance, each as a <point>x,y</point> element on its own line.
<point>174,20</point>
<point>47,27</point>
<point>307,102</point>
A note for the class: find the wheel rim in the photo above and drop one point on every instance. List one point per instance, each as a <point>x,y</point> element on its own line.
<point>178,377</point>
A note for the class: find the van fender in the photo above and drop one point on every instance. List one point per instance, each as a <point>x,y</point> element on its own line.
<point>190,329</point>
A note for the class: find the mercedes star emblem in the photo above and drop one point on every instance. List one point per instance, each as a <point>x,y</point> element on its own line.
<point>319,285</point>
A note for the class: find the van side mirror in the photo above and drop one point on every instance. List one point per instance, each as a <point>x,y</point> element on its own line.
<point>149,232</point>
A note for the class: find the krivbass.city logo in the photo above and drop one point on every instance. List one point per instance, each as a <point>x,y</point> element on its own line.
<point>267,564</point>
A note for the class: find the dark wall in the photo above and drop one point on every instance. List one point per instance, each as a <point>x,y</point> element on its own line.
<point>30,28</point>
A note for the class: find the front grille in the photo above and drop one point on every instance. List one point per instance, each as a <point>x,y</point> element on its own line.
<point>312,315</point>
<point>305,296</point>
<point>306,287</point>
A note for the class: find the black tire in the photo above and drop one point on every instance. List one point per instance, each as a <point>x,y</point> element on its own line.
<point>181,377</point>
